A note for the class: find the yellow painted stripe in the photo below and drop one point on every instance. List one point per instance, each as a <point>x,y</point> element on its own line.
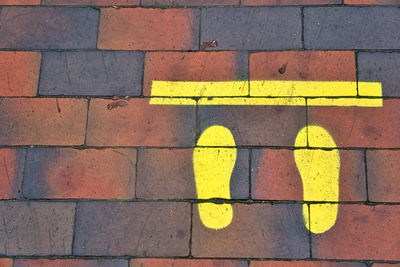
<point>346,102</point>
<point>297,101</point>
<point>370,89</point>
<point>172,101</point>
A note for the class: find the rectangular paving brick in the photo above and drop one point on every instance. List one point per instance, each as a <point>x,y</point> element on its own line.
<point>252,28</point>
<point>92,73</point>
<point>383,68</point>
<point>256,125</point>
<point>385,265</point>
<point>19,73</point>
<point>168,174</point>
<point>289,2</point>
<point>91,2</point>
<point>72,173</point>
<point>256,231</point>
<point>43,121</point>
<point>186,263</point>
<point>383,175</point>
<point>360,126</point>
<point>303,66</point>
<point>274,175</point>
<point>194,66</point>
<point>69,263</point>
<point>185,3</point>
<point>36,228</point>
<point>48,28</point>
<point>372,2</point>
<point>305,263</point>
<point>148,29</point>
<point>132,228</point>
<point>6,262</point>
<point>11,170</point>
<point>361,232</point>
<point>351,28</point>
<point>137,123</point>
<point>19,2</point>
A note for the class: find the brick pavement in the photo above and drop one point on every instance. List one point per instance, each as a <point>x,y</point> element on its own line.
<point>100,165</point>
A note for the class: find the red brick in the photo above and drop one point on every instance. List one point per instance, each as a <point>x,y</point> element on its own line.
<point>256,231</point>
<point>383,175</point>
<point>36,228</point>
<point>19,73</point>
<point>275,176</point>
<point>19,2</point>
<point>72,173</point>
<point>11,169</point>
<point>305,264</point>
<point>303,66</point>
<point>186,263</point>
<point>91,2</point>
<point>377,127</point>
<point>361,232</point>
<point>289,2</point>
<point>43,121</point>
<point>69,263</point>
<point>194,66</point>
<point>185,3</point>
<point>385,265</point>
<point>140,124</point>
<point>371,2</point>
<point>168,174</point>
<point>148,29</point>
<point>6,262</point>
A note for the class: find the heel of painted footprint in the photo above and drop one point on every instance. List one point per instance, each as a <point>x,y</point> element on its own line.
<point>213,162</point>
<point>319,170</point>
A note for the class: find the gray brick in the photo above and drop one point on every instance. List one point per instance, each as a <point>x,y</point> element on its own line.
<point>252,28</point>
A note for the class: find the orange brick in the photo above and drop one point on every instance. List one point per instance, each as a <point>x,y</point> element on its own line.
<point>69,263</point>
<point>186,263</point>
<point>140,124</point>
<point>372,2</point>
<point>11,168</point>
<point>19,73</point>
<point>6,262</point>
<point>361,232</point>
<point>19,2</point>
<point>148,29</point>
<point>194,66</point>
<point>71,173</point>
<point>91,2</point>
<point>275,176</point>
<point>43,121</point>
<point>383,175</point>
<point>305,263</point>
<point>303,66</point>
<point>289,2</point>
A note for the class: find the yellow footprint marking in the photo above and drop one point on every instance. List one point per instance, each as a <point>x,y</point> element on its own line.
<point>319,171</point>
<point>213,167</point>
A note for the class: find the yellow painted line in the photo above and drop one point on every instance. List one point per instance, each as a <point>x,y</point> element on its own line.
<point>212,170</point>
<point>297,101</point>
<point>172,101</point>
<point>346,102</point>
<point>319,170</point>
<point>370,89</point>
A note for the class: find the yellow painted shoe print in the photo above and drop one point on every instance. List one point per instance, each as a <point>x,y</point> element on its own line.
<point>213,163</point>
<point>319,170</point>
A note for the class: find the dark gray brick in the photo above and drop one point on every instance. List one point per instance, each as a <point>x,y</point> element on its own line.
<point>92,73</point>
<point>48,27</point>
<point>352,27</point>
<point>252,28</point>
<point>381,67</point>
<point>132,228</point>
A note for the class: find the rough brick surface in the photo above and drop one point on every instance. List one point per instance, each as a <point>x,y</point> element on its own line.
<point>71,173</point>
<point>185,3</point>
<point>360,126</point>
<point>198,66</point>
<point>372,2</point>
<point>303,66</point>
<point>351,28</point>
<point>19,2</point>
<point>19,73</point>
<point>92,73</point>
<point>91,2</point>
<point>148,29</point>
<point>383,175</point>
<point>186,263</point>
<point>44,121</point>
<point>383,68</point>
<point>361,232</point>
<point>256,231</point>
<point>385,265</point>
<point>139,124</point>
<point>6,262</point>
<point>36,228</point>
<point>252,29</point>
<point>276,177</point>
<point>11,168</point>
<point>305,263</point>
<point>48,27</point>
<point>69,263</point>
<point>256,125</point>
<point>289,2</point>
<point>168,174</point>
<point>135,228</point>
